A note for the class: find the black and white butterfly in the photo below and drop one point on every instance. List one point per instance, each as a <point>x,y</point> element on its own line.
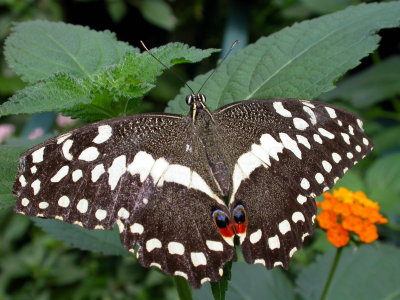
<point>162,179</point>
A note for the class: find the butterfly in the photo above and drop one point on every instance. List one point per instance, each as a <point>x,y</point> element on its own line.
<point>180,188</point>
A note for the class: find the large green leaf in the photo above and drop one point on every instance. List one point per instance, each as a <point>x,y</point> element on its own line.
<point>61,91</point>
<point>369,86</point>
<point>253,282</point>
<point>8,170</point>
<point>158,12</point>
<point>301,61</point>
<point>386,139</point>
<point>110,92</point>
<point>385,173</point>
<point>368,272</point>
<point>102,241</point>
<point>37,49</point>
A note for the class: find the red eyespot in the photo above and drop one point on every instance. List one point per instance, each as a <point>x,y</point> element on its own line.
<point>239,219</point>
<point>223,223</point>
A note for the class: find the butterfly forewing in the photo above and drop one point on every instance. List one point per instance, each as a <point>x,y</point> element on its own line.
<point>286,152</point>
<point>137,172</point>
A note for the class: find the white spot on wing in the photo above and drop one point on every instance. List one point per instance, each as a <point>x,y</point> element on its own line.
<point>142,164</point>
<point>271,146</point>
<point>248,162</point>
<point>300,124</point>
<point>97,172</point>
<point>63,201</point>
<point>76,175</point>
<point>89,154</point>
<point>82,206</point>
<point>137,228</point>
<point>204,280</point>
<point>360,124</point>
<point>345,137</point>
<point>62,138</point>
<point>60,174</point>
<point>365,142</point>
<point>351,130</point>
<point>358,148</point>
<point>22,181</point>
<point>336,157</point>
<point>292,252</point>
<point>158,169</point>
<point>305,184</point>
<point>255,236</point>
<point>36,186</point>
<point>307,103</point>
<point>319,178</point>
<point>37,156</point>
<point>317,138</point>
<point>326,133</point>
<point>278,264</point>
<point>349,155</point>
<point>290,144</point>
<point>301,199</point>
<point>176,248</point>
<point>303,140</point>
<point>259,261</point>
<point>309,111</point>
<point>177,174</point>
<point>214,245</point>
<point>105,132</point>
<point>331,112</point>
<point>33,170</point>
<point>284,226</point>
<point>100,214</point>
<point>327,166</point>
<point>298,216</point>
<point>25,202</point>
<point>273,242</point>
<point>43,205</point>
<point>65,149</point>
<point>182,274</point>
<point>198,259</point>
<point>153,244</point>
<point>281,110</point>
<point>117,169</point>
<point>123,213</point>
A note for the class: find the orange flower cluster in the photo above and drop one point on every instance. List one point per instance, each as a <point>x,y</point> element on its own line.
<point>345,211</point>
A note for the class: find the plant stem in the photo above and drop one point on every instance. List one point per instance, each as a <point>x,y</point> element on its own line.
<point>333,268</point>
<point>183,288</point>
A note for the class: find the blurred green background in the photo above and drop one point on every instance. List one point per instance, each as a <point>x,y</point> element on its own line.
<point>34,265</point>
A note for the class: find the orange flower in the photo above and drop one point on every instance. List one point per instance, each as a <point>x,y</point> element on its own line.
<point>338,236</point>
<point>327,219</point>
<point>345,211</point>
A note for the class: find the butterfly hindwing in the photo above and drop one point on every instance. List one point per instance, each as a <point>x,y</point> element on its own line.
<point>137,172</point>
<point>285,153</point>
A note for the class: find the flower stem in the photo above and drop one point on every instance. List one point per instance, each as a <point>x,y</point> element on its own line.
<point>333,268</point>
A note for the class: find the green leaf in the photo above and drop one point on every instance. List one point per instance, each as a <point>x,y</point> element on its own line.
<point>219,288</point>
<point>183,288</point>
<point>59,92</point>
<point>368,272</point>
<point>301,61</point>
<point>37,49</point>
<point>327,6</point>
<point>253,282</point>
<point>370,86</point>
<point>111,92</point>
<point>101,241</point>
<point>388,199</point>
<point>386,139</point>
<point>351,180</point>
<point>158,13</point>
<point>8,169</point>
<point>384,173</point>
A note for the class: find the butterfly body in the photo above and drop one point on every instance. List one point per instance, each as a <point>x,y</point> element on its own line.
<point>163,179</point>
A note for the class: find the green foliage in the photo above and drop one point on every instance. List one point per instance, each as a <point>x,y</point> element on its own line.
<point>59,47</point>
<point>375,84</point>
<point>253,282</point>
<point>8,167</point>
<point>301,61</point>
<point>101,241</point>
<point>367,272</point>
<point>84,73</point>
<point>158,12</point>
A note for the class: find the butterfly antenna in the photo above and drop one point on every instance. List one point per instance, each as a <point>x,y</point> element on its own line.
<point>173,72</point>
<point>212,73</point>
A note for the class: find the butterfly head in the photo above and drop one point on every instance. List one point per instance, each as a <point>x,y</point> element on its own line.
<point>198,100</point>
